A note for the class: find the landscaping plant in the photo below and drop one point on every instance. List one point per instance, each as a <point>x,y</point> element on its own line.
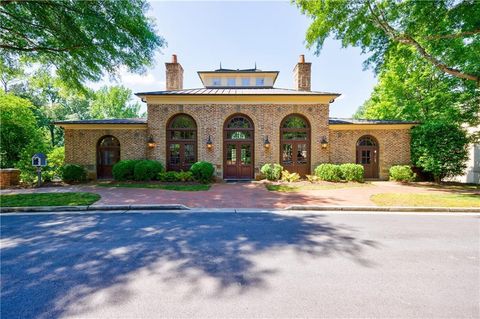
<point>123,170</point>
<point>352,172</point>
<point>202,171</point>
<point>55,160</point>
<point>73,173</point>
<point>290,177</point>
<point>401,173</point>
<point>146,170</point>
<point>329,172</point>
<point>273,172</point>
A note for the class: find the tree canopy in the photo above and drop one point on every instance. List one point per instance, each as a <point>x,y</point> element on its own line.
<point>82,40</point>
<point>446,33</point>
<point>114,102</point>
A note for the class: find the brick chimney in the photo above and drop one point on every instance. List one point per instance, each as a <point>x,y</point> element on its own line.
<point>302,74</point>
<point>174,73</point>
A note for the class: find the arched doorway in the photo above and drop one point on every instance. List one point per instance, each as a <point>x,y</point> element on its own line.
<point>238,147</point>
<point>181,142</point>
<point>367,155</point>
<point>295,141</point>
<point>108,154</point>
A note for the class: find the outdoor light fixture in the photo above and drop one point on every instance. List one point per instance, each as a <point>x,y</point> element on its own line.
<point>266,143</point>
<point>209,143</point>
<point>324,142</point>
<point>151,143</point>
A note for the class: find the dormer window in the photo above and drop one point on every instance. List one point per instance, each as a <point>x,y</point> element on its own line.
<point>216,82</point>
<point>260,82</point>
<point>246,82</point>
<point>231,82</point>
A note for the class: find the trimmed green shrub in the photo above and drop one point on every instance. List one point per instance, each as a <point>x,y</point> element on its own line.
<point>352,172</point>
<point>123,170</point>
<point>73,173</point>
<point>146,170</point>
<point>202,171</point>
<point>401,173</point>
<point>170,176</point>
<point>184,176</point>
<point>273,172</point>
<point>329,172</point>
<point>290,177</point>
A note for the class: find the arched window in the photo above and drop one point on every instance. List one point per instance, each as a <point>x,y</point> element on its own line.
<point>295,141</point>
<point>181,142</point>
<point>108,154</point>
<point>238,147</point>
<point>368,155</point>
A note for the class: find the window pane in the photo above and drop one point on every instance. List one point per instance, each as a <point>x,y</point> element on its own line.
<point>182,135</point>
<point>231,154</point>
<point>366,141</point>
<point>183,121</point>
<point>216,82</point>
<point>301,153</point>
<point>245,82</point>
<point>231,82</point>
<point>174,154</point>
<point>239,135</point>
<point>365,157</point>
<point>109,141</point>
<point>295,122</point>
<point>294,135</point>
<point>246,154</point>
<point>260,82</point>
<point>189,154</point>
<point>239,122</point>
<point>287,154</point>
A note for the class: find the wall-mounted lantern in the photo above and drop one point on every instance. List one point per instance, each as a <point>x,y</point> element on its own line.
<point>209,143</point>
<point>266,143</point>
<point>324,142</point>
<point>151,142</point>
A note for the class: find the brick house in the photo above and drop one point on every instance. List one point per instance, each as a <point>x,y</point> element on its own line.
<point>238,121</point>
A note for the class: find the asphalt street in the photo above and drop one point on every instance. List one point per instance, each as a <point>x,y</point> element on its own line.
<point>134,265</point>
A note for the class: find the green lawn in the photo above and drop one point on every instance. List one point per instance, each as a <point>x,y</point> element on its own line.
<point>170,187</point>
<point>48,199</point>
<point>302,187</point>
<point>427,200</point>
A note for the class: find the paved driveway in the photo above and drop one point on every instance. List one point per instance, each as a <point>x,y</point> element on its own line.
<point>239,265</point>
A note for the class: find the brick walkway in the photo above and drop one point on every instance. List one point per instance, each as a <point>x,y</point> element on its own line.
<point>241,195</point>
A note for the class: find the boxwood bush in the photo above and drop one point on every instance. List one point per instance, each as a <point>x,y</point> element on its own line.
<point>123,170</point>
<point>202,171</point>
<point>401,173</point>
<point>173,176</point>
<point>146,170</point>
<point>73,173</point>
<point>273,172</point>
<point>329,172</point>
<point>352,172</point>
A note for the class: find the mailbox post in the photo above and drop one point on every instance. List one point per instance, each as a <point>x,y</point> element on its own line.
<point>39,160</point>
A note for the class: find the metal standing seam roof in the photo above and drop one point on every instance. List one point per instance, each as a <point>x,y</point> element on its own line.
<point>106,121</point>
<point>236,91</point>
<point>333,121</point>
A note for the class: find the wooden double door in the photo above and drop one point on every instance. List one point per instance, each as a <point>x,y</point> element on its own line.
<point>296,157</point>
<point>238,160</point>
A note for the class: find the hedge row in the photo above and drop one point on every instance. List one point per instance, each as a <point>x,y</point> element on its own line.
<point>335,173</point>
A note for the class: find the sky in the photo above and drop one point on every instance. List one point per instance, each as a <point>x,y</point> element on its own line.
<point>240,34</point>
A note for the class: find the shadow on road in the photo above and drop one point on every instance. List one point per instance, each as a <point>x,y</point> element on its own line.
<point>52,262</point>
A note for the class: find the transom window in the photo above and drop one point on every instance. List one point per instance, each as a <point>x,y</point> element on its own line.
<point>239,127</point>
<point>366,141</point>
<point>260,82</point>
<point>295,127</point>
<point>246,82</point>
<point>217,81</point>
<point>231,82</point>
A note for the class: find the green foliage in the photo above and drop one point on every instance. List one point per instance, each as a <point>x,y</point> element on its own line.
<point>28,173</point>
<point>73,173</point>
<point>83,40</point>
<point>273,172</point>
<point>352,172</point>
<point>18,129</point>
<point>48,199</point>
<point>114,102</point>
<point>290,177</point>
<point>401,173</point>
<point>123,170</point>
<point>55,161</point>
<point>439,148</point>
<point>202,171</point>
<point>172,176</point>
<point>442,33</point>
<point>329,172</point>
<point>146,170</point>
<point>312,178</point>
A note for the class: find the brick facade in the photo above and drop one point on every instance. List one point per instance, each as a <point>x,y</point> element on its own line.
<point>394,147</point>
<point>266,118</point>
<point>81,146</point>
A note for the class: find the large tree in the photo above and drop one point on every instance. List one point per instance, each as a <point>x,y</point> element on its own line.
<point>114,102</point>
<point>446,33</point>
<point>81,40</point>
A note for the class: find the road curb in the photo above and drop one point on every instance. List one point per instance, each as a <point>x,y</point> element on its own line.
<point>386,209</point>
<point>168,207</point>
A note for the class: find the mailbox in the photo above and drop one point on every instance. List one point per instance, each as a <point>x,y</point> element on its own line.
<point>39,160</point>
